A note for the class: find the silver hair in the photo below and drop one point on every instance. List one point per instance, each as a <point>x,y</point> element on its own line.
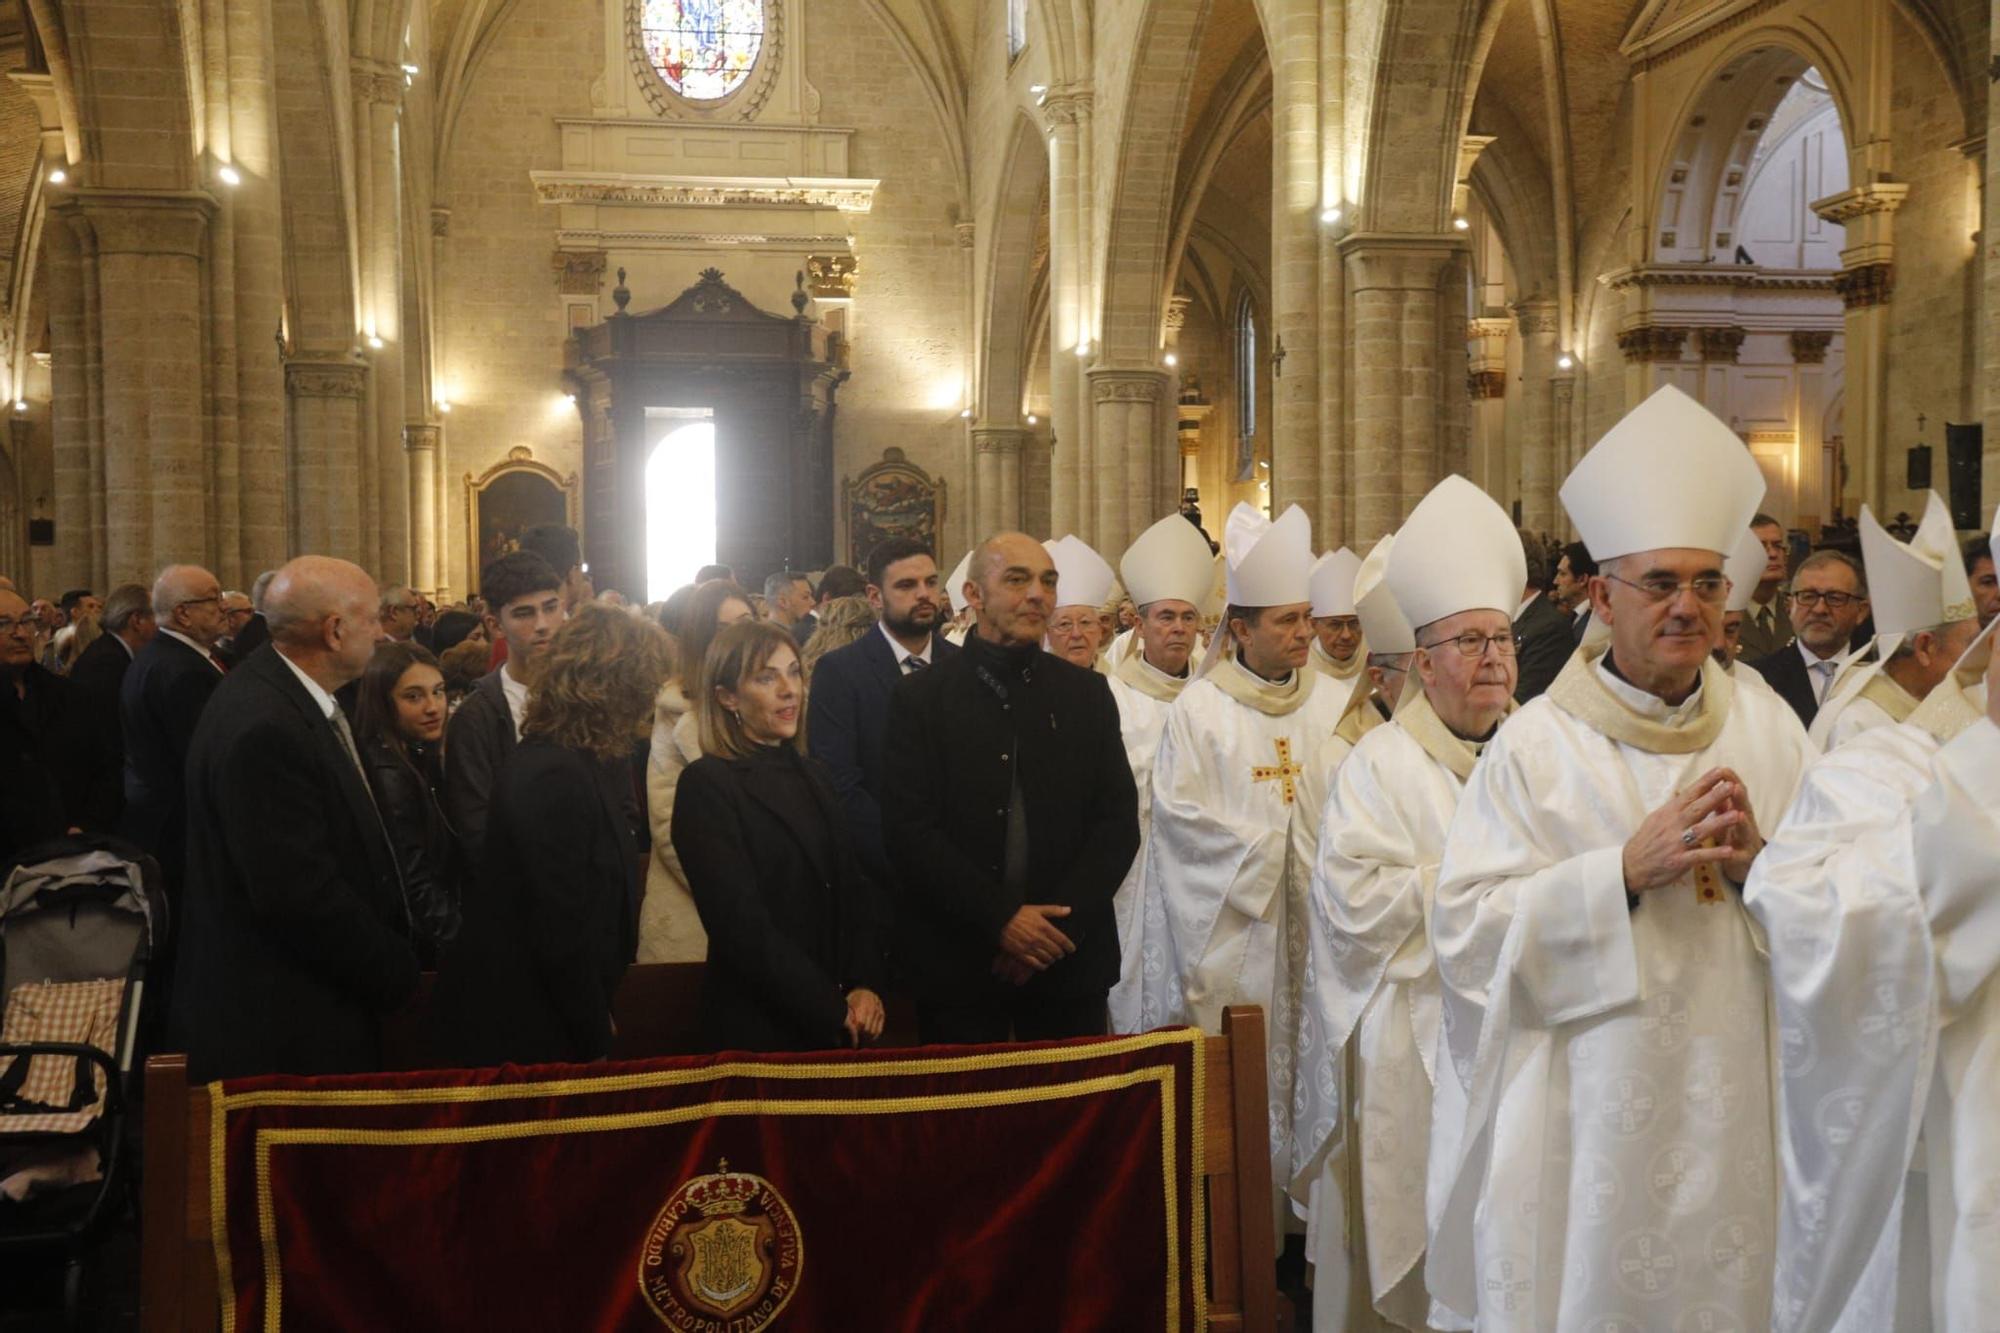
<point>174,587</point>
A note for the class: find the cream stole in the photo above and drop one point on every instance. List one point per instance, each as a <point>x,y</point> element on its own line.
<point>1579,692</point>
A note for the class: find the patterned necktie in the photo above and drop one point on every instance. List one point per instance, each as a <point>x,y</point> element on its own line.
<point>913,664</point>
<point>340,729</point>
<point>1822,679</point>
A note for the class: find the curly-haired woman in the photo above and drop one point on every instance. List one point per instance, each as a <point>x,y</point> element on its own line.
<point>553,919</point>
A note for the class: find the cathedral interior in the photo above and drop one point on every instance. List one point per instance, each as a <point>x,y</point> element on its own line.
<point>765,280</point>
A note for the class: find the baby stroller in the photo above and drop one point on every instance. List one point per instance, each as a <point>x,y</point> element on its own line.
<point>78,929</point>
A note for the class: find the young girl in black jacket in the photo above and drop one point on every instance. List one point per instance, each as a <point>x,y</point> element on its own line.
<point>399,727</point>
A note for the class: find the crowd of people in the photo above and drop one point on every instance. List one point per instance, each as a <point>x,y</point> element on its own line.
<point>1610,918</point>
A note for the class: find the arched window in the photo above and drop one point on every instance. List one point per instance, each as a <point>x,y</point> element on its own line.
<point>1246,372</point>
<point>703,49</point>
<point>1017,27</point>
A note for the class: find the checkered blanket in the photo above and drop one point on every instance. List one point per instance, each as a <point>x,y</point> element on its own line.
<point>57,1094</point>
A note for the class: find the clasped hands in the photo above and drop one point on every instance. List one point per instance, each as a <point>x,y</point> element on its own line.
<point>864,1016</point>
<point>1030,942</point>
<point>1671,841</point>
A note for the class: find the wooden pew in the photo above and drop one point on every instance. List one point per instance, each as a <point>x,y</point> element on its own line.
<point>177,1259</point>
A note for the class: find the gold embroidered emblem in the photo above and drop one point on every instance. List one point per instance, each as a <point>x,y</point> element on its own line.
<point>1285,773</point>
<point>724,1253</point>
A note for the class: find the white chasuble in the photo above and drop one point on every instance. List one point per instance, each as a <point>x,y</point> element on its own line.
<point>1144,694</point>
<point>1615,1169</point>
<point>1370,1004</point>
<point>1871,699</point>
<point>1221,863</point>
<point>1860,901</point>
<point>1340,681</point>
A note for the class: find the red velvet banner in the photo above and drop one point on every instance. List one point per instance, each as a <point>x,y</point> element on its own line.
<point>1027,1187</point>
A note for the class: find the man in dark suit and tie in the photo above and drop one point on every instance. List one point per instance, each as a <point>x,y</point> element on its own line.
<point>848,703</point>
<point>1829,601</point>
<point>1544,629</point>
<point>1767,621</point>
<point>1569,587</point>
<point>295,937</point>
<point>162,698</point>
<point>96,682</point>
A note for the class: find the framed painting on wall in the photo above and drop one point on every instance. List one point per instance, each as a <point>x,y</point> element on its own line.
<point>892,498</point>
<point>506,500</point>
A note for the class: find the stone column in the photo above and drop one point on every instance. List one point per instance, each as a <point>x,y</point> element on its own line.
<point>996,452</point>
<point>1299,195</point>
<point>1392,283</point>
<point>1541,450</point>
<point>1064,111</point>
<point>1809,347</point>
<point>1454,366</point>
<point>1130,425</point>
<point>1486,387</point>
<point>329,430</point>
<point>1719,348</point>
<point>143,470</point>
<point>378,97</point>
<point>420,443</point>
<point>1866,282</point>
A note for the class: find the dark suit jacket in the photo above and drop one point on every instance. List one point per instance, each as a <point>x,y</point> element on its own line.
<point>38,781</point>
<point>256,632</point>
<point>547,936</point>
<point>1787,674</point>
<point>162,699</point>
<point>476,745</point>
<point>803,627</point>
<point>96,732</point>
<point>1757,643</point>
<point>788,913</point>
<point>847,718</point>
<point>294,937</point>
<point>1579,624</point>
<point>955,746</point>
<point>1547,642</point>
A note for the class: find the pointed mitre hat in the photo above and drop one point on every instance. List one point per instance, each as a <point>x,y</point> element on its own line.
<point>1270,561</point>
<point>1382,622</point>
<point>1170,562</point>
<point>1458,552</point>
<point>1745,570</point>
<point>954,586</point>
<point>1920,583</point>
<point>1668,475</point>
<point>1333,583</point>
<point>1082,576</point>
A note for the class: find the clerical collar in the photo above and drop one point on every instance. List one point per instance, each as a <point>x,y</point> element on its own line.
<point>1649,706</point>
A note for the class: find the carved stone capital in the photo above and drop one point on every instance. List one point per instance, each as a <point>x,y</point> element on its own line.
<point>326,379</point>
<point>1177,309</point>
<point>1536,317</point>
<point>1486,384</point>
<point>578,272</point>
<point>1068,105</point>
<point>1809,346</point>
<point>420,437</point>
<point>998,439</point>
<point>376,82</point>
<point>1720,343</point>
<point>440,222</point>
<point>1494,328</point>
<point>1865,286</point>
<point>1113,385</point>
<point>139,222</point>
<point>1652,342</point>
<point>966,231</point>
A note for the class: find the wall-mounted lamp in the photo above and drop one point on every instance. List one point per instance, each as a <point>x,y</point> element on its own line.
<point>20,404</point>
<point>1173,360</point>
<point>444,406</point>
<point>375,341</point>
<point>965,414</point>
<point>1329,217</point>
<point>57,176</point>
<point>229,175</point>
<point>1461,224</point>
<point>1565,362</point>
<point>1033,419</point>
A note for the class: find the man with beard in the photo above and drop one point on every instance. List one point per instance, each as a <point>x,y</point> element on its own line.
<point>847,708</point>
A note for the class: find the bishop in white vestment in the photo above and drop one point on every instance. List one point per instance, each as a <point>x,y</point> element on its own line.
<point>1340,649</point>
<point>1225,799</point>
<point>1371,999</point>
<point>1606,1002</point>
<point>1167,571</point>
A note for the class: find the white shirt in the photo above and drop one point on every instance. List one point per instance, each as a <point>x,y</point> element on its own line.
<point>517,698</point>
<point>319,696</point>
<point>904,655</point>
<point>1650,706</point>
<point>207,654</point>
<point>1821,670</point>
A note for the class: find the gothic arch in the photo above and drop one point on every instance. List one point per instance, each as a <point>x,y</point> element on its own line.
<point>1021,203</point>
<point>1426,69</point>
<point>96,50</point>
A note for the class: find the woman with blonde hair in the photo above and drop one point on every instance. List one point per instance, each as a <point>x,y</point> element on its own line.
<point>669,927</point>
<point>841,622</point>
<point>554,920</point>
<point>792,959</point>
<point>74,637</point>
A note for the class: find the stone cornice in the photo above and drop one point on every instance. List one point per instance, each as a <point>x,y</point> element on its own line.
<point>164,222</point>
<point>1882,197</point>
<point>1735,276</point>
<point>847,194</point>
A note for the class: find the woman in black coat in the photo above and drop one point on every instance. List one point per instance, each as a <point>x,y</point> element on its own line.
<point>399,720</point>
<point>792,963</point>
<point>552,920</point>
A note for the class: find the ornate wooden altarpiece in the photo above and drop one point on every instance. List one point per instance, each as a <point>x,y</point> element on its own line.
<point>770,381</point>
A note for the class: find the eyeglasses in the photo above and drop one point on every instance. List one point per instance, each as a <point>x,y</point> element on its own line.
<point>1710,588</point>
<point>197,601</point>
<point>1473,644</point>
<point>23,625</point>
<point>1067,626</point>
<point>1835,601</point>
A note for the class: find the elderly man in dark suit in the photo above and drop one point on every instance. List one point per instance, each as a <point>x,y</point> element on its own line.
<point>1829,602</point>
<point>847,707</point>
<point>160,702</point>
<point>95,730</point>
<point>1010,813</point>
<point>1546,633</point>
<point>295,934</point>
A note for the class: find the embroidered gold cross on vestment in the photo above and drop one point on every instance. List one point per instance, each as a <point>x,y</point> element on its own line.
<point>1284,773</point>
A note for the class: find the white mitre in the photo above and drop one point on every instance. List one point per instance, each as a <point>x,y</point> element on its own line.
<point>1918,584</point>
<point>954,586</point>
<point>1332,583</point>
<point>1270,561</point>
<point>1170,562</point>
<point>1083,578</point>
<point>1668,475</point>
<point>1458,552</point>
<point>1382,622</point>
<point>1745,570</point>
